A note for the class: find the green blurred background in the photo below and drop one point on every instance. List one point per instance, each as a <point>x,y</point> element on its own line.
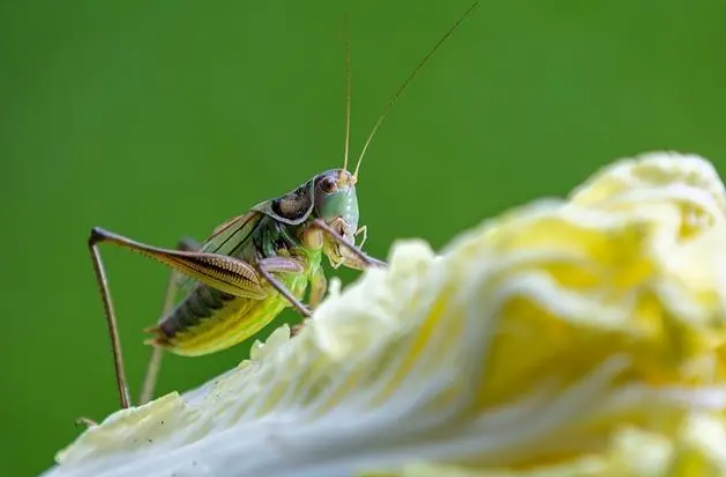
<point>163,119</point>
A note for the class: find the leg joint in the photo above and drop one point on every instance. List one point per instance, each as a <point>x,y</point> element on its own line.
<point>97,235</point>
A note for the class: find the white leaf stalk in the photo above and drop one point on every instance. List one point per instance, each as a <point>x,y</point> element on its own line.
<point>567,337</point>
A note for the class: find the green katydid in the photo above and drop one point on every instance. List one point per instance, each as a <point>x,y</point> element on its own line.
<point>254,265</point>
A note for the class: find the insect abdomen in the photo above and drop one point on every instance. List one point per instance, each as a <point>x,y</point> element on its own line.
<point>203,303</point>
<point>209,320</point>
<point>197,328</point>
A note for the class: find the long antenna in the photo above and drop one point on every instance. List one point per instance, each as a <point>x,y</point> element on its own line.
<point>347,92</point>
<point>403,86</point>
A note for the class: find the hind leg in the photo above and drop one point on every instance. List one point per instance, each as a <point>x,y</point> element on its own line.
<point>152,370</point>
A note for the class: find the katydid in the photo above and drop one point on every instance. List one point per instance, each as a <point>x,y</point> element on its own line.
<point>254,265</point>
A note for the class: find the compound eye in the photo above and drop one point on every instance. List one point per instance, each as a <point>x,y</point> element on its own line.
<point>328,185</point>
